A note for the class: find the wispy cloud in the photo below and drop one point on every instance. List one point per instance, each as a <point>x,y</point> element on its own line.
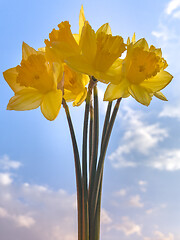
<point>168,160</point>
<point>5,179</point>
<point>139,137</point>
<point>135,201</point>
<point>105,218</point>
<point>20,220</point>
<point>128,227</point>
<point>6,163</point>
<point>121,193</point>
<point>30,211</point>
<point>46,214</point>
<point>160,236</point>
<point>172,6</point>
<point>142,185</point>
<point>171,112</point>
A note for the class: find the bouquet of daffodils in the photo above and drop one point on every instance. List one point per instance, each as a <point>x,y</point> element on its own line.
<point>68,69</point>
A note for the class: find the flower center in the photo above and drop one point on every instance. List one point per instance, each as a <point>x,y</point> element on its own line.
<point>33,73</point>
<point>142,65</point>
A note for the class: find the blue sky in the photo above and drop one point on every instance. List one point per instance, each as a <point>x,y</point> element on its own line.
<point>141,198</point>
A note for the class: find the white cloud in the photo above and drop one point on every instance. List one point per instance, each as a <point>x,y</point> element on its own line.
<point>3,212</point>
<point>139,137</point>
<point>172,5</point>
<point>160,236</point>
<point>128,227</point>
<point>105,218</point>
<point>169,160</point>
<point>170,111</point>
<point>19,220</point>
<point>135,201</point>
<point>142,185</point>
<point>24,221</point>
<point>121,193</point>
<point>168,36</point>
<point>5,179</point>
<point>6,163</point>
<point>164,33</point>
<point>39,211</point>
<point>58,234</point>
<point>157,209</point>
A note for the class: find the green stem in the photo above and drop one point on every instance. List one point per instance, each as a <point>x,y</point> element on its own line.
<point>106,123</point>
<point>77,169</point>
<point>98,210</point>
<point>84,168</point>
<point>99,172</point>
<point>95,144</point>
<point>91,131</point>
<point>93,159</point>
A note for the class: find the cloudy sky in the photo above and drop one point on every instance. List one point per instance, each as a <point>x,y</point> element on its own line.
<point>141,191</point>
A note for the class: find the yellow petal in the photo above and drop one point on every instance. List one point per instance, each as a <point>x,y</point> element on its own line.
<point>43,49</point>
<point>80,64</point>
<point>105,28</point>
<point>157,51</point>
<point>128,41</point>
<point>80,98</point>
<point>25,99</point>
<point>134,38</point>
<point>142,43</point>
<point>113,74</point>
<point>109,48</point>
<point>85,79</point>
<point>116,91</point>
<point>51,104</point>
<point>57,72</point>
<point>160,96</point>
<point>76,37</point>
<point>27,51</point>
<point>62,43</point>
<point>82,19</point>
<point>158,82</point>
<point>140,94</point>
<point>10,76</point>
<point>68,95</point>
<point>88,42</point>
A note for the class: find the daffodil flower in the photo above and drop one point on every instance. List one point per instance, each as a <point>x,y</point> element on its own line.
<point>34,83</point>
<point>93,54</point>
<point>74,86</point>
<point>141,74</point>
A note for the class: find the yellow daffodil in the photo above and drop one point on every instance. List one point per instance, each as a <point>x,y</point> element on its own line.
<point>74,86</point>
<point>63,39</point>
<point>141,74</point>
<point>34,83</point>
<point>93,54</point>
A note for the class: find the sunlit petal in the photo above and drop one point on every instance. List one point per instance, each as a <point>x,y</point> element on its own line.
<point>140,94</point>
<point>160,96</point>
<point>88,42</point>
<point>158,82</point>
<point>27,51</point>
<point>25,99</point>
<point>105,28</point>
<point>51,104</point>
<point>82,19</point>
<point>10,76</point>
<point>116,91</point>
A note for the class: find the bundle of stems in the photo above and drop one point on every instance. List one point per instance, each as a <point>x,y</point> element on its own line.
<point>89,185</point>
